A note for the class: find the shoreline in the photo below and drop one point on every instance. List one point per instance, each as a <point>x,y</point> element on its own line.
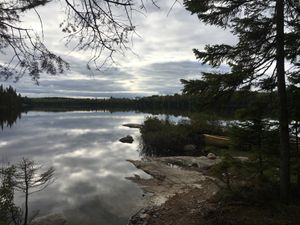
<point>180,192</point>
<point>175,182</point>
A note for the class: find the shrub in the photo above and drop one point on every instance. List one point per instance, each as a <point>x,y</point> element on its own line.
<point>207,124</point>
<point>165,138</point>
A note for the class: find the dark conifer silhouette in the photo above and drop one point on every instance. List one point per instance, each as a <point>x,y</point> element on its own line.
<point>268,34</point>
<point>10,106</point>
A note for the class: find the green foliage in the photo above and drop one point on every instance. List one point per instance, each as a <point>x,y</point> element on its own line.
<point>267,37</point>
<point>293,92</point>
<point>162,137</point>
<point>251,136</point>
<point>238,174</point>
<point>9,212</point>
<point>205,123</point>
<point>257,138</point>
<point>228,168</point>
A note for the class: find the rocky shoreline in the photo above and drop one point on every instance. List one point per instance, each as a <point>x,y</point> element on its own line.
<point>178,186</point>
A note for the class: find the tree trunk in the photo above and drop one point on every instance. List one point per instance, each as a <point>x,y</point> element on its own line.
<point>297,153</point>
<point>26,207</point>
<point>26,195</point>
<point>259,128</point>
<point>283,114</point>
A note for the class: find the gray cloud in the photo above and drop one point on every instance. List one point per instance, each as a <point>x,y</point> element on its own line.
<point>165,77</point>
<point>163,55</point>
<point>155,78</point>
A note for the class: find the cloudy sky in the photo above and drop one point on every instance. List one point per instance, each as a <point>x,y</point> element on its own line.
<point>161,55</point>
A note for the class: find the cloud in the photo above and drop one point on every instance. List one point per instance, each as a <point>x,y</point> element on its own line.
<point>165,77</point>
<point>155,78</point>
<point>161,55</point>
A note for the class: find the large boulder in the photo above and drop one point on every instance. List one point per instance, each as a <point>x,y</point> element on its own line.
<point>211,156</point>
<point>127,139</point>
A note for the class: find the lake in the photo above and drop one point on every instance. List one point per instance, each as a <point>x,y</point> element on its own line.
<point>90,163</point>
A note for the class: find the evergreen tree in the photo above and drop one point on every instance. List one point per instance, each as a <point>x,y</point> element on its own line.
<point>294,112</point>
<point>9,212</point>
<point>268,34</point>
<point>10,106</point>
<point>9,100</point>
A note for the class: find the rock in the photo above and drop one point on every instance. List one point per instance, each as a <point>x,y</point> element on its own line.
<point>145,216</point>
<point>53,219</point>
<point>127,139</point>
<point>189,147</point>
<point>211,156</point>
<point>133,125</point>
<point>137,177</point>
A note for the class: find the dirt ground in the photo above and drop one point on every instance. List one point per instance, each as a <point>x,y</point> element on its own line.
<point>189,209</point>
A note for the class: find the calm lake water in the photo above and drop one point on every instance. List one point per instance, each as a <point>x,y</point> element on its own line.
<point>90,163</point>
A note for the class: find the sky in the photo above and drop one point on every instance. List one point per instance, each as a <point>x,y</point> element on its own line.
<point>161,54</point>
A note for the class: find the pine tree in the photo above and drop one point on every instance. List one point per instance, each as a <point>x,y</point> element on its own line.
<point>268,34</point>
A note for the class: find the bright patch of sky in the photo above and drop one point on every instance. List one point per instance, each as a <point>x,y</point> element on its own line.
<point>161,55</point>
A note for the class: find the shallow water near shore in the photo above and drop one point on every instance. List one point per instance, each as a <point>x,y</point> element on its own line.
<point>90,163</point>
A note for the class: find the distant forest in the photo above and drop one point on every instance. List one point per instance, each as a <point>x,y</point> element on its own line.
<point>177,104</point>
<point>168,104</point>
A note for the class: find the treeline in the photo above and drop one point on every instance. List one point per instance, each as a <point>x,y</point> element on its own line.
<point>178,104</point>
<point>10,106</point>
<point>169,104</point>
<point>154,103</point>
<point>9,99</point>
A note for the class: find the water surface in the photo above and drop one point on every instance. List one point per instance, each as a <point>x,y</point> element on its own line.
<point>90,163</point>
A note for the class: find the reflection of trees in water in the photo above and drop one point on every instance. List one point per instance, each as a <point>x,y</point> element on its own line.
<point>8,118</point>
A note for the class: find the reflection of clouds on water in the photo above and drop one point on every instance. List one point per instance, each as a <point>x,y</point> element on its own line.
<point>90,163</point>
